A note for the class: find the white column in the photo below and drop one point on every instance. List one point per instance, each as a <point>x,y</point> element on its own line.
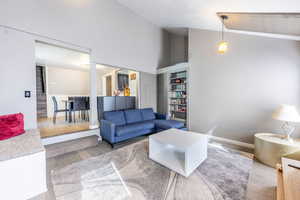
<point>93,96</point>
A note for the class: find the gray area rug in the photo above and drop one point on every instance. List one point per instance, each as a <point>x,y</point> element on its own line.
<point>127,173</point>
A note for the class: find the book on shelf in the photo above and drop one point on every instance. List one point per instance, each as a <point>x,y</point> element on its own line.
<point>179,119</point>
<point>178,108</point>
<point>178,101</point>
<point>178,87</point>
<point>178,94</point>
<point>178,81</point>
<point>178,75</point>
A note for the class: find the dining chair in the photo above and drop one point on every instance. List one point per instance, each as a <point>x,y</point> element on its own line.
<point>87,108</point>
<point>80,105</point>
<point>84,108</point>
<point>76,106</point>
<point>56,110</point>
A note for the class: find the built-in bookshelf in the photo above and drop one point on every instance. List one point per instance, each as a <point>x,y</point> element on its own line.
<point>178,95</point>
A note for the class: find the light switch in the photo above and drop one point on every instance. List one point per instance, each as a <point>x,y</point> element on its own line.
<point>27,94</point>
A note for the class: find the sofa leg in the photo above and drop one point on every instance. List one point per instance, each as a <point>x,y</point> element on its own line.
<point>112,146</point>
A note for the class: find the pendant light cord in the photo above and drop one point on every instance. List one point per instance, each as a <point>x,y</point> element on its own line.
<point>222,29</point>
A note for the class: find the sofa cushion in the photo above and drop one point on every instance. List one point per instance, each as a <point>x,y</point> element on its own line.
<point>130,128</point>
<point>133,135</point>
<point>116,117</point>
<point>167,124</point>
<point>147,114</point>
<point>133,116</point>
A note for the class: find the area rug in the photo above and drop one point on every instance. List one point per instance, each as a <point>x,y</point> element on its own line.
<point>128,173</point>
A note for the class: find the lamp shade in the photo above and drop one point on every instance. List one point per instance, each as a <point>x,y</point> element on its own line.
<point>286,113</point>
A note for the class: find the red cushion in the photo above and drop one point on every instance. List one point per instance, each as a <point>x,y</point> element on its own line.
<point>11,125</point>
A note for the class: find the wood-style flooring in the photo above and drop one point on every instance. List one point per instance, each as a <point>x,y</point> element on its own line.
<point>49,129</point>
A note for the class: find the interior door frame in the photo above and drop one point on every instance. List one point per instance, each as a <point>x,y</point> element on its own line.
<point>106,89</point>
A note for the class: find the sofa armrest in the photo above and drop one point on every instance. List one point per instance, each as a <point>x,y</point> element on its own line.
<point>161,116</point>
<point>107,130</point>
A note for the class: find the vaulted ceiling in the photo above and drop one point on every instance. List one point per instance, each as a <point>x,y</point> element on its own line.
<point>202,13</point>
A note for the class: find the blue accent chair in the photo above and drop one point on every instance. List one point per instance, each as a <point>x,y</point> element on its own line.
<point>118,126</point>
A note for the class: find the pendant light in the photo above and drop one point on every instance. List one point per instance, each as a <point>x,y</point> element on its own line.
<point>223,45</point>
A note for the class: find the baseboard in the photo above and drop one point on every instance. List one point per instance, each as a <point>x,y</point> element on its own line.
<point>93,126</point>
<point>70,136</point>
<point>235,142</point>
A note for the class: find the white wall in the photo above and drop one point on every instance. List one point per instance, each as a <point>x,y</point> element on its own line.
<point>134,84</point>
<point>166,51</point>
<point>178,49</point>
<point>175,49</point>
<point>27,173</point>
<point>101,82</point>
<point>17,74</point>
<point>103,78</point>
<point>238,91</point>
<point>62,81</point>
<point>148,91</point>
<point>100,89</point>
<point>114,34</point>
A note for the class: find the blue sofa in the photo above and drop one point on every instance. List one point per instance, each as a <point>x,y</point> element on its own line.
<point>117,126</point>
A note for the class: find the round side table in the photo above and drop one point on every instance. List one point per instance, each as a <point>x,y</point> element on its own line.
<point>269,147</point>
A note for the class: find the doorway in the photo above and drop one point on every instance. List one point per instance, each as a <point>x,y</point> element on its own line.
<point>108,85</point>
<point>41,92</point>
<point>62,88</point>
<point>114,81</point>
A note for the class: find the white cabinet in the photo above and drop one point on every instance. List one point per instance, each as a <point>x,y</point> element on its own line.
<point>23,177</point>
<point>291,176</point>
<point>22,167</point>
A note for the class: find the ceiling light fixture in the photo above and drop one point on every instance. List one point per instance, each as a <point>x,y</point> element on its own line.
<point>223,45</point>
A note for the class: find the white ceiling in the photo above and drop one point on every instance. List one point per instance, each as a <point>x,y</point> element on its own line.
<point>202,13</point>
<point>53,56</point>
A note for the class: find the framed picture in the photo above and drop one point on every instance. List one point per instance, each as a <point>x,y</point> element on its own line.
<point>122,81</point>
<point>133,76</point>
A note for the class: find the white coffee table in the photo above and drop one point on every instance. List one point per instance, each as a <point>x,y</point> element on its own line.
<point>180,151</point>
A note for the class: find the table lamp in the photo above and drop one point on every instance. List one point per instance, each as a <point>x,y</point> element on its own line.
<point>287,114</point>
